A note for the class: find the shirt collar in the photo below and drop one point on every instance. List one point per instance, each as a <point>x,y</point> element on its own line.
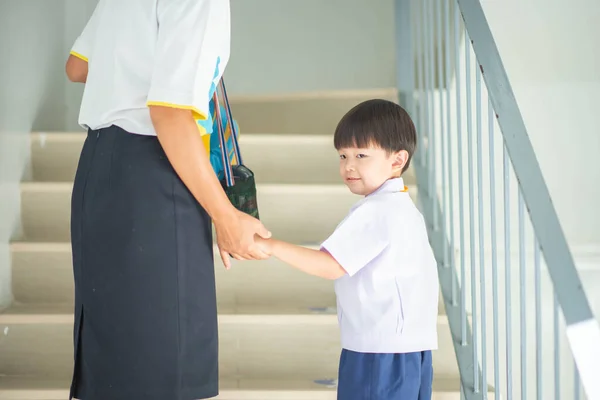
<point>393,185</point>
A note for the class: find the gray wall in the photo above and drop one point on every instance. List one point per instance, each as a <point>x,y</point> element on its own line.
<point>309,45</point>
<point>31,46</point>
<point>552,57</point>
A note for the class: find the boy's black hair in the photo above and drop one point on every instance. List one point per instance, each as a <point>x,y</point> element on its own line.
<point>379,123</point>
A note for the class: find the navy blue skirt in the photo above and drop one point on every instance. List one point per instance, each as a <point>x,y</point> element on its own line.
<point>371,376</point>
<point>145,298</point>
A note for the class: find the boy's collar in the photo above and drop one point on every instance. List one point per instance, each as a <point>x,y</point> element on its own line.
<point>390,186</point>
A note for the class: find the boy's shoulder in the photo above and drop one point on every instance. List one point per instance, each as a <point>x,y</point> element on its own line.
<point>388,208</point>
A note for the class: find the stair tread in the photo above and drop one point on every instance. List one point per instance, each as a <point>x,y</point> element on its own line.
<point>234,313</point>
<point>16,384</point>
<point>36,246</point>
<point>286,187</point>
<point>274,310</point>
<point>33,260</point>
<point>54,157</point>
<point>79,137</point>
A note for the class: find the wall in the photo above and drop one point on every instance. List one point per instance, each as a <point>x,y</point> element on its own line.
<point>552,54</point>
<point>77,13</point>
<point>311,45</point>
<point>31,42</point>
<point>556,88</point>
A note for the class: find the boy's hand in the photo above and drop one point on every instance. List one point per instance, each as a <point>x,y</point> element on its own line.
<point>265,245</point>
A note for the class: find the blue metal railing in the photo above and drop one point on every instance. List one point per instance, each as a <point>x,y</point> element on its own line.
<point>456,90</point>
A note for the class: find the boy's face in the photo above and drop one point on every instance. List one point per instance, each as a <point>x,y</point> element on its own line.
<point>365,170</point>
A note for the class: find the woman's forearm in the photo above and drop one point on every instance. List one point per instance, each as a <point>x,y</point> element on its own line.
<point>179,136</point>
<point>310,261</point>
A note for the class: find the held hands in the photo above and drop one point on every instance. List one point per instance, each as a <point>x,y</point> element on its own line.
<point>266,245</point>
<point>236,237</point>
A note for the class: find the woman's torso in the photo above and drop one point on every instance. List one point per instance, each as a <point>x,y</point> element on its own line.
<point>123,59</point>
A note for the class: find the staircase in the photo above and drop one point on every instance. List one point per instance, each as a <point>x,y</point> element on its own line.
<point>278,328</point>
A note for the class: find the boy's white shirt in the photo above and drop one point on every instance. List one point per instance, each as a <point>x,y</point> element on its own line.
<point>151,52</point>
<point>388,301</point>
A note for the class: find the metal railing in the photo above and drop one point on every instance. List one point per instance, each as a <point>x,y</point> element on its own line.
<point>520,320</point>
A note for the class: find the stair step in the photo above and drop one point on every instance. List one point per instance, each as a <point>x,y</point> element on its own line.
<point>300,113</point>
<point>279,342</point>
<point>42,273</point>
<point>445,388</point>
<point>284,159</point>
<point>295,213</point>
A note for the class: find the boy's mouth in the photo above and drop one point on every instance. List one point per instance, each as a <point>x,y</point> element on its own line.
<point>353,179</point>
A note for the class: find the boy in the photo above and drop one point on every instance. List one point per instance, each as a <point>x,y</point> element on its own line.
<point>385,273</point>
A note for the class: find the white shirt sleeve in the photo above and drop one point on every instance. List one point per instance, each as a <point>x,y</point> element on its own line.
<point>192,51</point>
<point>358,240</point>
<point>84,44</point>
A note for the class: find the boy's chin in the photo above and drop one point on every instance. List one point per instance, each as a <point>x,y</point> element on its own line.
<point>358,191</point>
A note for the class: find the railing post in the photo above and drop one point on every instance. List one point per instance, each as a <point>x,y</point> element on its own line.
<point>583,330</point>
<point>405,65</point>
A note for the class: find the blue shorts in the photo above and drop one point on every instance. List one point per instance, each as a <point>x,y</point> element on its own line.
<point>370,376</point>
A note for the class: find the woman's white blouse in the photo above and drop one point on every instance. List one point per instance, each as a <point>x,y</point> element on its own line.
<point>151,52</point>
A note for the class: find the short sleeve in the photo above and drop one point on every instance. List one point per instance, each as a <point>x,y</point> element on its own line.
<point>84,44</point>
<point>358,240</point>
<point>192,50</point>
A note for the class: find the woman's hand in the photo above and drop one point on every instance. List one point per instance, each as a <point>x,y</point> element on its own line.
<point>236,235</point>
<point>266,245</point>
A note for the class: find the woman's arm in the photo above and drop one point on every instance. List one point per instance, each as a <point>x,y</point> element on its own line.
<point>178,135</point>
<point>77,69</point>
<point>310,261</point>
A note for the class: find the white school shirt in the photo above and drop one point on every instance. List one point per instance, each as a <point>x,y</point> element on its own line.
<point>151,52</point>
<point>388,300</point>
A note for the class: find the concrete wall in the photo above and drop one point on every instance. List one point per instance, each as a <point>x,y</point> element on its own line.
<point>311,45</point>
<point>31,42</point>
<point>552,54</point>
<point>552,59</point>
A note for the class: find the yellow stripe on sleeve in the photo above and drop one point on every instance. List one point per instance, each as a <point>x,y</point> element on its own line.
<point>80,56</point>
<point>197,114</point>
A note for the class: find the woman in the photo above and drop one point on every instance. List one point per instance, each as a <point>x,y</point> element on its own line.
<point>143,200</point>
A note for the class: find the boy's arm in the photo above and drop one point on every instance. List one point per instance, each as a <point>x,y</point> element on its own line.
<point>310,261</point>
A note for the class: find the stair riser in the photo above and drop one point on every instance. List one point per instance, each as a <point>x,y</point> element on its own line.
<point>45,277</point>
<point>228,395</point>
<point>282,159</point>
<point>311,113</point>
<point>272,158</point>
<point>252,350</point>
<point>295,213</point>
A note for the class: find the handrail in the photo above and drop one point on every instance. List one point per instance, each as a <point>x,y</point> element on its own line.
<point>442,105</point>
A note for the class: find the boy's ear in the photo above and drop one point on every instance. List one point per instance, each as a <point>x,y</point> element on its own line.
<point>400,160</point>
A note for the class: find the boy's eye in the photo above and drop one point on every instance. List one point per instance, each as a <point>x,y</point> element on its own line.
<point>361,155</point>
<point>342,157</point>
